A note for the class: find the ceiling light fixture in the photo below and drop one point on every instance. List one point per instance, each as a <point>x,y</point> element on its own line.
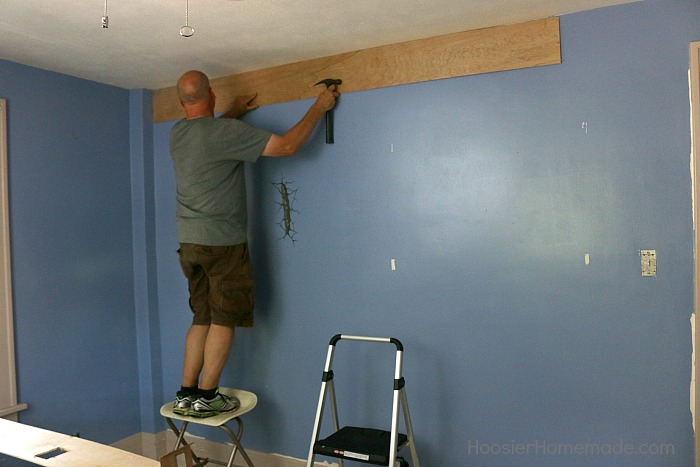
<point>186,30</point>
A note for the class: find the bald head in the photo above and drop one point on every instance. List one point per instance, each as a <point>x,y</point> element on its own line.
<point>193,87</point>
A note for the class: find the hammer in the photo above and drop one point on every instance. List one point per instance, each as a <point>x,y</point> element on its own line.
<point>329,115</point>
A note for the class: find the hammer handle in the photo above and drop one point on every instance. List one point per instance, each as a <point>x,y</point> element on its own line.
<point>329,127</point>
<point>329,114</point>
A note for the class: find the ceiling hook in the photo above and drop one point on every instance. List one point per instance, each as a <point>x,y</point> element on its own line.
<point>187,30</point>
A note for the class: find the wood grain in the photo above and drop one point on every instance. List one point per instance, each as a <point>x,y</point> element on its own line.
<point>523,45</point>
<point>31,444</point>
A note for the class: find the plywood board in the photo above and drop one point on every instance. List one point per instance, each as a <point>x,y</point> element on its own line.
<point>524,45</point>
<point>44,447</point>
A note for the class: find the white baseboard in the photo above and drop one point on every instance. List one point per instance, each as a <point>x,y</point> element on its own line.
<point>155,445</point>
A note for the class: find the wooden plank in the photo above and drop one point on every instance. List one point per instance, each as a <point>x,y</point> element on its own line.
<point>524,45</point>
<point>30,444</point>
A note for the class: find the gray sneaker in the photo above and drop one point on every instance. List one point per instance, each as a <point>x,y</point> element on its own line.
<point>183,403</point>
<point>221,403</point>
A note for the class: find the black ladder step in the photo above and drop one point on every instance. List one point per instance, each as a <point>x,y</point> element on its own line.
<point>368,445</point>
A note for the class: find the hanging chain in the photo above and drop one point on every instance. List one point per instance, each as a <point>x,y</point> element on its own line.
<point>105,18</point>
<point>187,30</point>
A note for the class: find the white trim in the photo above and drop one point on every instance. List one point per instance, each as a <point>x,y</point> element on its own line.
<point>694,83</point>
<point>8,388</point>
<point>12,410</point>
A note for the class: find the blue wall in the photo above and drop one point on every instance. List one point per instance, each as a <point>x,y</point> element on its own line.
<point>488,202</point>
<point>70,218</point>
<point>485,189</point>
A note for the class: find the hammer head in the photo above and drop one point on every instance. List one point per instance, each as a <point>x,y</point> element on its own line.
<point>329,82</point>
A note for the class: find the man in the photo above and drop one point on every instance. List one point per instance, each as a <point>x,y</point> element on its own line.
<point>208,155</point>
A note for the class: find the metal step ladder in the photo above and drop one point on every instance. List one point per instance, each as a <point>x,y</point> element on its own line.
<point>368,445</point>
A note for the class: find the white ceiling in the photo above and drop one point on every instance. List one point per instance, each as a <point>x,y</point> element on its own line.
<point>142,47</point>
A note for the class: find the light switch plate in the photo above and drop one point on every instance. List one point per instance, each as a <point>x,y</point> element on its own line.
<point>648,262</point>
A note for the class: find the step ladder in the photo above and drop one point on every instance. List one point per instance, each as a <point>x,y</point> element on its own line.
<point>366,445</point>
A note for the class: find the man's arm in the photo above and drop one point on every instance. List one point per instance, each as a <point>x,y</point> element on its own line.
<point>289,143</point>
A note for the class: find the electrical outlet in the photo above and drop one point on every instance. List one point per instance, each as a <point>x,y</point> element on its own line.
<point>648,262</point>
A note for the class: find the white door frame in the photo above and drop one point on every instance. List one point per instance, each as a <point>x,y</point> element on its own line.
<point>8,388</point>
<point>694,81</point>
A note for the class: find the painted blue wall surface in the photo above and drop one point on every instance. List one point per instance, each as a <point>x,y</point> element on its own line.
<point>70,217</point>
<point>487,191</point>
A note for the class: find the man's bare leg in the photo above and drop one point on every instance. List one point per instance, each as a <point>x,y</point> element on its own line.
<point>194,355</point>
<point>216,350</point>
<point>206,353</point>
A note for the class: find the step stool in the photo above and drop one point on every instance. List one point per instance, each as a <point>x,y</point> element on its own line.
<point>248,402</point>
<point>366,445</point>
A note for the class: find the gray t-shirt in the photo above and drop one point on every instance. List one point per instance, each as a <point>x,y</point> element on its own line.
<point>208,155</point>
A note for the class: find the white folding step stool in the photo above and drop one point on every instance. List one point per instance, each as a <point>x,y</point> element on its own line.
<point>367,445</point>
<point>248,402</point>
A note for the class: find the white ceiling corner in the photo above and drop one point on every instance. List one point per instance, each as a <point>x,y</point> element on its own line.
<point>142,47</point>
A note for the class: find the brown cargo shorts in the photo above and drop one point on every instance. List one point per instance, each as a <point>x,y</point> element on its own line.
<point>220,282</point>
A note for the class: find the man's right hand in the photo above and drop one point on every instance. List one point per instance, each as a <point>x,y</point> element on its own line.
<point>328,97</point>
<point>289,143</point>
